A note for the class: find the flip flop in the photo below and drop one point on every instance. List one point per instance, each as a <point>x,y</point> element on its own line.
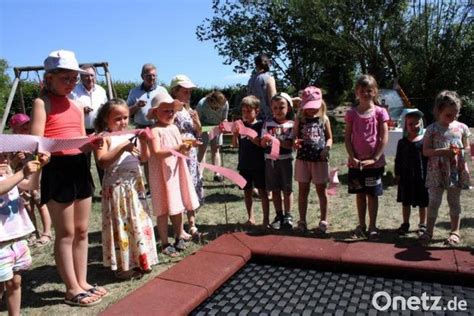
<point>78,300</point>
<point>170,250</point>
<point>98,291</point>
<point>43,242</point>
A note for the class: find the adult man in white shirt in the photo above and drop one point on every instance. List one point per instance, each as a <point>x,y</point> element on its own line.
<point>91,96</point>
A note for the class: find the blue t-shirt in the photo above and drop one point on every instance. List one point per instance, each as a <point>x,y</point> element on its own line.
<point>250,155</point>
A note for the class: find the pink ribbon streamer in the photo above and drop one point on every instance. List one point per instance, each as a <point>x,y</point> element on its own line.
<point>229,127</point>
<point>275,150</point>
<point>333,182</point>
<point>228,173</point>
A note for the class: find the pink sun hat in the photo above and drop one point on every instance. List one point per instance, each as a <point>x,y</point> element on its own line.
<point>312,98</point>
<point>18,120</point>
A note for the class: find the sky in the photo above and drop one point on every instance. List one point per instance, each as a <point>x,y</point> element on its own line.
<point>124,33</point>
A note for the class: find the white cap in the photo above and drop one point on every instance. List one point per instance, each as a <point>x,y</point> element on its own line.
<point>62,59</point>
<point>182,81</point>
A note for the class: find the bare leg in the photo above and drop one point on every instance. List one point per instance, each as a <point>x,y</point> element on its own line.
<point>82,209</point>
<point>361,208</point>
<point>288,201</point>
<point>406,210</point>
<point>373,205</point>
<point>323,200</point>
<point>177,222</point>
<point>13,287</point>
<point>162,222</point>
<point>191,215</point>
<point>265,206</point>
<point>277,202</point>
<point>455,223</point>
<point>422,215</point>
<point>248,205</point>
<point>62,216</point>
<point>303,192</point>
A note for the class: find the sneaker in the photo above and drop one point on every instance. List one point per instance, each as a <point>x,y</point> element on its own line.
<point>287,222</point>
<point>421,229</point>
<point>277,222</point>
<point>218,178</point>
<point>403,230</point>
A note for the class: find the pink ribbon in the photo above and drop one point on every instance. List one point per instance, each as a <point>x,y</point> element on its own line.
<point>275,150</point>
<point>333,182</point>
<point>230,127</point>
<point>228,173</point>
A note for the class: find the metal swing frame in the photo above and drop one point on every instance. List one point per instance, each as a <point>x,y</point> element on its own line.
<point>17,86</point>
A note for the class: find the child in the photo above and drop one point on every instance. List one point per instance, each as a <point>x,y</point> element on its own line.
<point>189,125</point>
<point>279,173</point>
<point>313,139</point>
<point>172,189</point>
<point>366,136</point>
<point>251,159</point>
<point>410,170</point>
<point>15,226</point>
<point>212,110</point>
<point>20,124</point>
<point>66,182</point>
<point>446,145</point>
<point>128,242</point>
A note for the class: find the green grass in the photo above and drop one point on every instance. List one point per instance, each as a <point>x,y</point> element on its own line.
<point>43,291</point>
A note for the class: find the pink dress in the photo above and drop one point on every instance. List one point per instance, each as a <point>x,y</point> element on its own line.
<point>171,185</point>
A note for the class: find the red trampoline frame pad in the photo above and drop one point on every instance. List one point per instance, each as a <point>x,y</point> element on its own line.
<point>179,290</point>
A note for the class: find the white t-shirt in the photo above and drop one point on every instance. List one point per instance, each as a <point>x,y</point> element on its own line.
<point>93,99</point>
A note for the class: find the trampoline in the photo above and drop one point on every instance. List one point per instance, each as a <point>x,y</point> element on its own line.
<point>242,274</point>
<point>271,290</point>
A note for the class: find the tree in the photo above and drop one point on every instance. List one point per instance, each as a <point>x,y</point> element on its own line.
<point>4,85</point>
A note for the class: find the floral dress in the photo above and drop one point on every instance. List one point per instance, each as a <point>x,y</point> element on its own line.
<point>186,127</point>
<point>128,240</point>
<point>445,172</point>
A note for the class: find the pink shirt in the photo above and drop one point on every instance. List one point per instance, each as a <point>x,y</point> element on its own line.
<point>365,133</point>
<point>14,220</point>
<point>64,120</point>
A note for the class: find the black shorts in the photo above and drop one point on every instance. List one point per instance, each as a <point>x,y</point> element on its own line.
<point>254,179</point>
<point>366,181</point>
<point>66,178</point>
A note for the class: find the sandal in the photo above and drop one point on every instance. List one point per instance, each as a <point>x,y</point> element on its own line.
<point>44,240</point>
<point>78,300</point>
<point>374,234</point>
<point>169,250</point>
<point>421,229</point>
<point>180,244</point>
<point>403,229</point>
<point>195,233</point>
<point>98,291</point>
<point>301,226</point>
<point>358,232</point>
<point>425,237</point>
<point>128,275</point>
<point>32,240</point>
<point>453,239</point>
<point>322,227</point>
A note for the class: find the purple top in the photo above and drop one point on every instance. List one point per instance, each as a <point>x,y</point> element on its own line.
<point>365,133</point>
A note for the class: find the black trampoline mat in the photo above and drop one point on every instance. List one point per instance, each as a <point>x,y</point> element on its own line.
<point>259,289</point>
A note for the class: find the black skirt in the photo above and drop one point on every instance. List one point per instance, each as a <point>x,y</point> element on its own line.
<point>66,178</point>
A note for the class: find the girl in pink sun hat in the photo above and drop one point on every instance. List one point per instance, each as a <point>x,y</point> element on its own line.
<point>313,141</point>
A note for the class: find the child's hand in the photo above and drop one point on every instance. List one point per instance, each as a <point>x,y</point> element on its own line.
<point>367,162</point>
<point>44,158</point>
<point>325,153</point>
<point>298,143</point>
<point>31,167</point>
<point>142,135</point>
<point>131,148</point>
<point>266,140</point>
<point>448,152</point>
<point>141,103</point>
<point>236,129</point>
<point>19,157</point>
<point>354,162</point>
<point>184,148</point>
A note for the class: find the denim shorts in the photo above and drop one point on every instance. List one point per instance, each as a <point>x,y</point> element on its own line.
<point>14,256</point>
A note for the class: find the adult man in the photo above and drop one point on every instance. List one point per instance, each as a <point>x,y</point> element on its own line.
<point>92,97</point>
<point>139,98</point>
